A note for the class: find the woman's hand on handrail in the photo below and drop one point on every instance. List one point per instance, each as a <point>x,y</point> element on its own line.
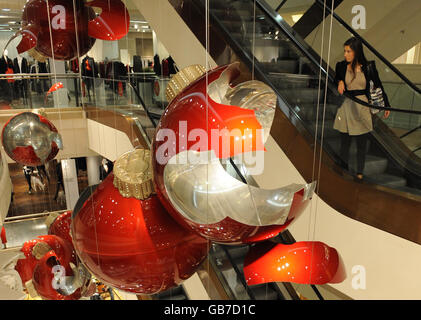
<point>386,114</point>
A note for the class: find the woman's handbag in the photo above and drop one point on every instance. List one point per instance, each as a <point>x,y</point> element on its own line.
<point>376,98</point>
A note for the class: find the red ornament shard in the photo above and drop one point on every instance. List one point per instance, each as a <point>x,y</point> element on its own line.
<point>307,262</point>
<point>113,23</point>
<point>29,39</point>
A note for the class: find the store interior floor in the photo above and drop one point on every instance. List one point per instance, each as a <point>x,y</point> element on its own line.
<point>39,201</point>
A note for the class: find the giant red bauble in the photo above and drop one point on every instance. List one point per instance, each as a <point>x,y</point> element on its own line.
<point>134,245</point>
<point>195,107</point>
<point>66,29</point>
<point>68,38</point>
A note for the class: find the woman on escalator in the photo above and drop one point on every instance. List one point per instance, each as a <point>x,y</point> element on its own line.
<point>353,75</point>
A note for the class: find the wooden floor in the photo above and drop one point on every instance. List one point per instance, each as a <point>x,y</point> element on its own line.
<point>39,201</point>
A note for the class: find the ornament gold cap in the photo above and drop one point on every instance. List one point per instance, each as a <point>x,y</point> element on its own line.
<point>35,54</point>
<point>183,79</point>
<point>133,174</point>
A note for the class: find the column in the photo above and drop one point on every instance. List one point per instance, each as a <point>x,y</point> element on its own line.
<point>61,99</point>
<point>70,182</point>
<point>92,165</point>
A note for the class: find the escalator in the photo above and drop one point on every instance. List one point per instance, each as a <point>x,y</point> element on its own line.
<point>270,50</point>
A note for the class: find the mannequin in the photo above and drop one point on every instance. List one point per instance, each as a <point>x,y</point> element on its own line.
<point>40,85</point>
<point>5,88</point>
<point>20,65</point>
<point>89,71</point>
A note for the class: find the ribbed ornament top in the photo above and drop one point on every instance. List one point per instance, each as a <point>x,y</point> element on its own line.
<point>183,79</point>
<point>133,174</point>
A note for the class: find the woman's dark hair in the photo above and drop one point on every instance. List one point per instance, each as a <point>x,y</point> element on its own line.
<point>359,57</point>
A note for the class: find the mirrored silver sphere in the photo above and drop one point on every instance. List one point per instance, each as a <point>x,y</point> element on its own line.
<point>31,139</point>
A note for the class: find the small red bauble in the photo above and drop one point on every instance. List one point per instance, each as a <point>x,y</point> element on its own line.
<point>39,269</point>
<point>61,226</point>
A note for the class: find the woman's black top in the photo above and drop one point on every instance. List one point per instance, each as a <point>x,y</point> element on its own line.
<point>370,73</point>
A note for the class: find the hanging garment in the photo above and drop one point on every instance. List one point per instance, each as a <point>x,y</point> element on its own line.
<point>10,71</point>
<point>3,235</point>
<point>172,68</point>
<point>102,70</point>
<point>21,85</point>
<point>6,92</point>
<point>165,68</point>
<point>74,65</point>
<point>157,65</point>
<point>120,89</point>
<point>137,64</point>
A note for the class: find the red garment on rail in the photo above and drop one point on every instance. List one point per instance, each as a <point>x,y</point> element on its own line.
<point>10,71</point>
<point>120,88</point>
<point>3,235</point>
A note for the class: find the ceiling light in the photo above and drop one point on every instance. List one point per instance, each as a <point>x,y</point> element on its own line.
<point>296,17</point>
<point>6,9</point>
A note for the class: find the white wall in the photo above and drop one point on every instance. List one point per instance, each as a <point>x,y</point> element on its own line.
<point>159,48</point>
<point>392,27</point>
<point>106,141</point>
<point>180,41</point>
<point>5,188</point>
<point>4,38</point>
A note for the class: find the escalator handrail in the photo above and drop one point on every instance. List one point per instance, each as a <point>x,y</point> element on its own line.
<point>410,132</point>
<point>292,35</point>
<point>142,103</point>
<point>370,47</point>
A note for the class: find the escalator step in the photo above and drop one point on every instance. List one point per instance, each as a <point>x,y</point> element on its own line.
<point>232,14</point>
<point>373,165</point>
<point>328,132</point>
<point>387,180</point>
<point>264,292</point>
<point>281,66</point>
<point>335,144</point>
<point>301,96</point>
<point>289,80</point>
<point>410,190</point>
<point>309,111</point>
<point>172,294</point>
<point>238,252</point>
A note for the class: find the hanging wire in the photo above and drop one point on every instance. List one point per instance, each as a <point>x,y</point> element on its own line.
<point>80,76</point>
<point>254,38</point>
<point>323,127</point>
<point>324,112</point>
<point>78,57</point>
<point>317,115</point>
<point>207,6</point>
<point>78,54</point>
